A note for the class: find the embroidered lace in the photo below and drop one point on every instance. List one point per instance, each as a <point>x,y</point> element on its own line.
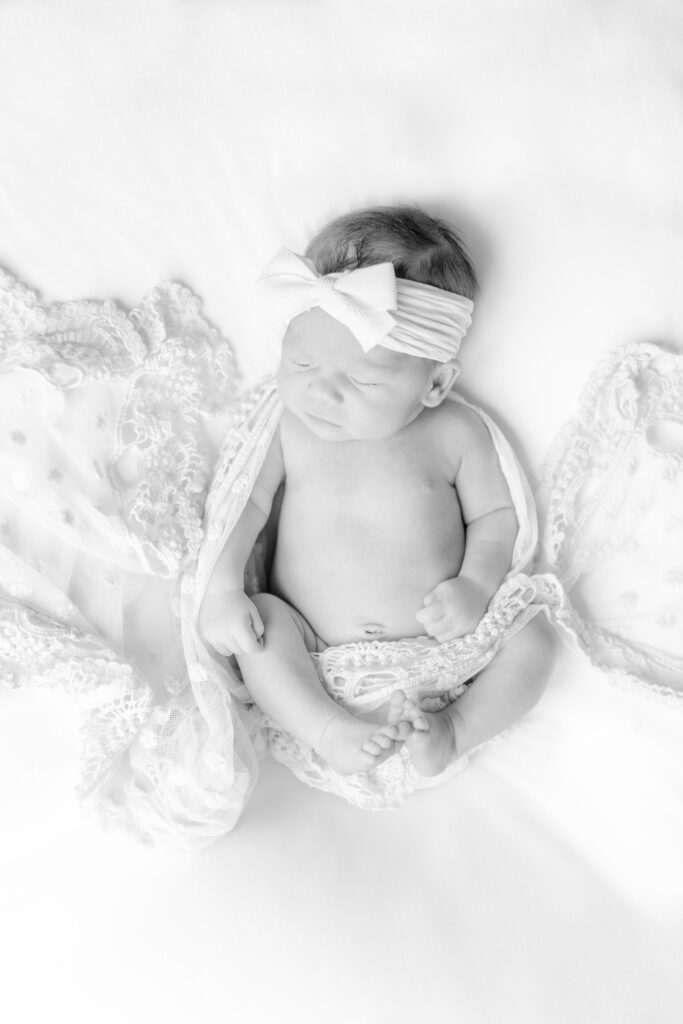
<point>612,512</point>
<point>128,458</point>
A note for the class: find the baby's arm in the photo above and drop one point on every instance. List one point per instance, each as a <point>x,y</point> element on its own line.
<point>455,606</point>
<point>228,620</point>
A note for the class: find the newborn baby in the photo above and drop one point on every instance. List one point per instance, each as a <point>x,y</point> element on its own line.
<point>396,519</point>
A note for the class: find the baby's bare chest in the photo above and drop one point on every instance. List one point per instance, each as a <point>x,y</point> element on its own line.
<point>385,483</point>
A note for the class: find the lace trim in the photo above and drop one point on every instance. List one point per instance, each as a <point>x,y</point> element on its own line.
<point>180,373</point>
<point>591,516</point>
<point>69,343</point>
<point>252,423</point>
<point>631,389</point>
<point>363,675</point>
<point>190,372</point>
<point>387,786</point>
<point>114,701</point>
<point>628,683</point>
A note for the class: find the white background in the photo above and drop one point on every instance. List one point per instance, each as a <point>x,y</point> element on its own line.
<point>190,139</point>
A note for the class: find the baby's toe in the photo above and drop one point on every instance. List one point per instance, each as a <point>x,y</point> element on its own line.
<point>410,708</point>
<point>396,707</point>
<point>383,741</point>
<point>403,730</point>
<point>372,747</point>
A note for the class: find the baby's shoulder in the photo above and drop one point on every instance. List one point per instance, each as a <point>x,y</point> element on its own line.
<point>459,426</point>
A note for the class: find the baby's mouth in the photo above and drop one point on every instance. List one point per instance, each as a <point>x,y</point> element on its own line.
<point>321,420</point>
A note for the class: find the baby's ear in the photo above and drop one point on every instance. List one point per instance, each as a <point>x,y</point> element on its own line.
<point>442,380</point>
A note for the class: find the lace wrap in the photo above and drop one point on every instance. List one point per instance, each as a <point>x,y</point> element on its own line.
<point>110,425</point>
<point>612,513</point>
<point>118,498</point>
<point>170,379</point>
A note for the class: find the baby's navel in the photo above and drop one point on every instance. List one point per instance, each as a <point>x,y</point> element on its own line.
<point>373,629</point>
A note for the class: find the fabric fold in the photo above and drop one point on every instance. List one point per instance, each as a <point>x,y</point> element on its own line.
<point>128,457</point>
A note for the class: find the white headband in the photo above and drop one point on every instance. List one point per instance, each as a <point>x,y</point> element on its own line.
<point>424,321</point>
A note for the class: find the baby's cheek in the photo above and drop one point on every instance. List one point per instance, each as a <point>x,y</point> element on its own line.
<point>388,421</point>
<point>286,389</point>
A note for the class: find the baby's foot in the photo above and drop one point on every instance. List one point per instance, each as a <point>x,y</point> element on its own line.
<point>405,714</point>
<point>431,739</point>
<point>432,748</point>
<point>351,745</point>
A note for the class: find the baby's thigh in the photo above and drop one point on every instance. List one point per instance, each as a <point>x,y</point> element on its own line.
<point>529,654</point>
<point>284,626</point>
<point>536,641</point>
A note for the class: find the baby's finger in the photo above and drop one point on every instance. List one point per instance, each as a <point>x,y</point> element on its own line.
<point>244,639</point>
<point>432,613</point>
<point>221,647</point>
<point>228,647</point>
<point>250,644</point>
<point>436,627</point>
<point>219,641</point>
<point>257,623</point>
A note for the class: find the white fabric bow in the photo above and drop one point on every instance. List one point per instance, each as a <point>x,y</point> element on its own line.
<point>359,299</point>
<point>427,321</point>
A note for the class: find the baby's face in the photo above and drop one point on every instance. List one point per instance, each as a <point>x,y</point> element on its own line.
<point>342,393</point>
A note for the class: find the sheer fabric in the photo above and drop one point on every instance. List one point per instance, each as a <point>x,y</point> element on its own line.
<point>127,456</point>
<point>612,521</point>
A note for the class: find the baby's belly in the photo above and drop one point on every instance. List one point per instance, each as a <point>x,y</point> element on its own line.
<point>352,587</point>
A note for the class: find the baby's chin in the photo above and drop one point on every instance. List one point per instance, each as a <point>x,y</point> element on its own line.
<point>323,428</point>
<point>327,430</point>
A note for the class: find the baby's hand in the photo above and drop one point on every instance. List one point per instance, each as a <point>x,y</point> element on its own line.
<point>230,623</point>
<point>454,608</point>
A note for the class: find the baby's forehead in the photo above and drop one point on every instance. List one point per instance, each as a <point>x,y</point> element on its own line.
<point>317,332</point>
<point>387,358</point>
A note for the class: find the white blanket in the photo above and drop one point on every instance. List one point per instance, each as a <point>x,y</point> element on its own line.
<point>146,141</point>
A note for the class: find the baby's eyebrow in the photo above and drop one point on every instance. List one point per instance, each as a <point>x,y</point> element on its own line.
<point>297,346</point>
<point>382,365</point>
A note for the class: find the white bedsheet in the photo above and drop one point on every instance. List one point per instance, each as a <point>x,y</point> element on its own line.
<point>146,140</point>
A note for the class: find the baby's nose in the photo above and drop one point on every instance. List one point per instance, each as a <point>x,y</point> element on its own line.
<point>326,388</point>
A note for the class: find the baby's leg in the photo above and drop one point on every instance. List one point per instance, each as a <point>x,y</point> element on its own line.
<point>503,692</point>
<point>283,682</point>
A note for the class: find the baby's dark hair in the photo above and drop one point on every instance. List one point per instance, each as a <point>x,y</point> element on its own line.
<point>421,247</point>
